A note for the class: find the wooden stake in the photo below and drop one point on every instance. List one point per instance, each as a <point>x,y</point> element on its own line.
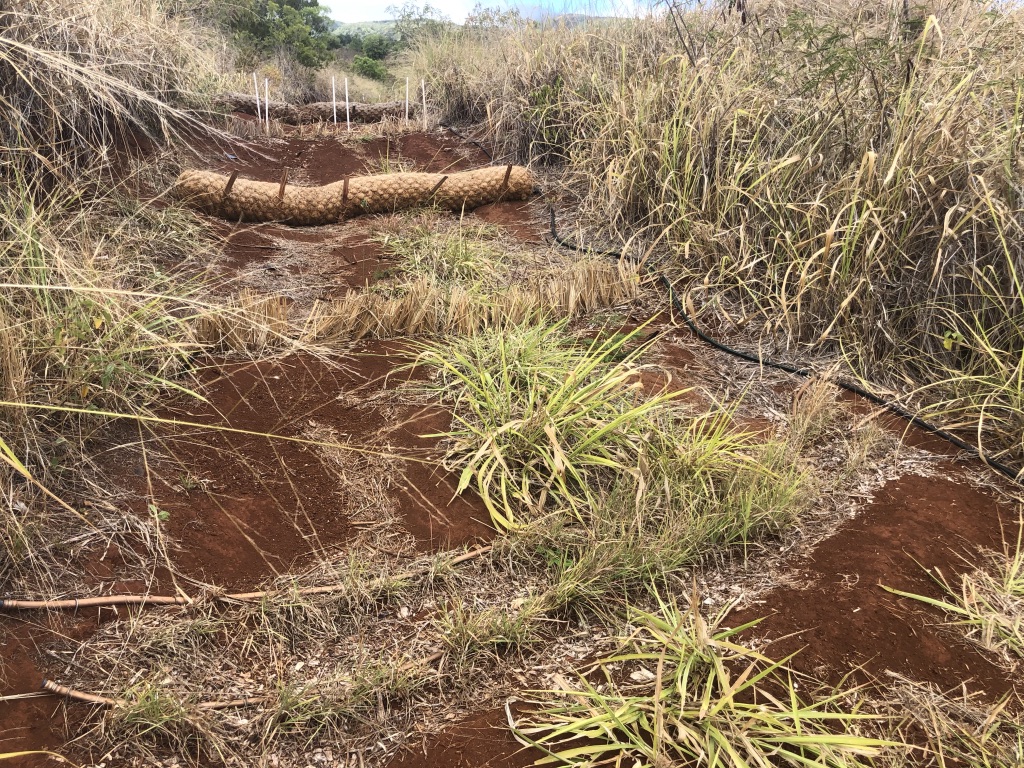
<point>266,101</point>
<point>284,183</point>
<point>230,184</point>
<point>71,693</point>
<point>256,85</point>
<point>436,187</point>
<point>407,99</point>
<point>334,100</point>
<point>344,192</point>
<point>508,174</point>
<point>348,115</point>
<point>423,85</point>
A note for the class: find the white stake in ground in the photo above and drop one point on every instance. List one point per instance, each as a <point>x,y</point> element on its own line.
<point>423,85</point>
<point>256,85</point>
<point>348,115</point>
<point>407,99</point>
<point>334,101</point>
<point>266,101</point>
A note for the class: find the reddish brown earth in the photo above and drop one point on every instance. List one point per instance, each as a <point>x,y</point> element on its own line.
<point>481,741</point>
<point>27,724</point>
<point>325,160</point>
<point>245,506</point>
<point>839,618</point>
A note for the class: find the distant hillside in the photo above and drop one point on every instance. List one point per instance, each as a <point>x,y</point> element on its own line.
<point>386,27</point>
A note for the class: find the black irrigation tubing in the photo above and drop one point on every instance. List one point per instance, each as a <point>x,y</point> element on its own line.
<point>888,405</point>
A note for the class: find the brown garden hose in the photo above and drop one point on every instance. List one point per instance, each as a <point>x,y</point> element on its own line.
<point>104,701</point>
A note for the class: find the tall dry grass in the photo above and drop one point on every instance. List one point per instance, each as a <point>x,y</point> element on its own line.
<point>847,175</point>
<point>76,76</point>
<point>97,287</point>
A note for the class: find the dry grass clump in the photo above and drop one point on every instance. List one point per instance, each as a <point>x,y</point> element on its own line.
<point>347,667</point>
<point>456,277</point>
<point>76,76</point>
<point>850,176</point>
<point>951,728</point>
<point>427,305</point>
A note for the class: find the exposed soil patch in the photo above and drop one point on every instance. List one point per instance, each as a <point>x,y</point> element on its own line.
<point>316,264</point>
<point>482,741</point>
<point>242,506</point>
<point>324,160</point>
<point>38,723</point>
<point>523,219</point>
<point>26,724</point>
<point>836,612</point>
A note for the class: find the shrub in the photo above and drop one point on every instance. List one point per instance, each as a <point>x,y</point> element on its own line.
<point>367,67</point>
<point>260,27</point>
<point>376,46</point>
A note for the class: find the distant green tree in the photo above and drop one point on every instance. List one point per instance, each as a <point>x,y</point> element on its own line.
<point>371,68</point>
<point>376,46</point>
<point>343,39</point>
<point>260,27</point>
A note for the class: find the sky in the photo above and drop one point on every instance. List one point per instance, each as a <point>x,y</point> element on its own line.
<point>457,10</point>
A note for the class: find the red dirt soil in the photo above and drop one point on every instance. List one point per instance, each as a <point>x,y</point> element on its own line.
<point>481,741</point>
<point>839,617</point>
<point>245,506</point>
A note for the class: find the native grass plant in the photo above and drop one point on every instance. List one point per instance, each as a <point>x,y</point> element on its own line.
<point>846,173</point>
<point>468,253</point>
<point>76,76</point>
<point>536,418</point>
<point>988,602</point>
<point>684,691</point>
<point>544,424</point>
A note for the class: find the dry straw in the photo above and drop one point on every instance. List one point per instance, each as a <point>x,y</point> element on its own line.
<point>429,306</point>
<point>847,173</point>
